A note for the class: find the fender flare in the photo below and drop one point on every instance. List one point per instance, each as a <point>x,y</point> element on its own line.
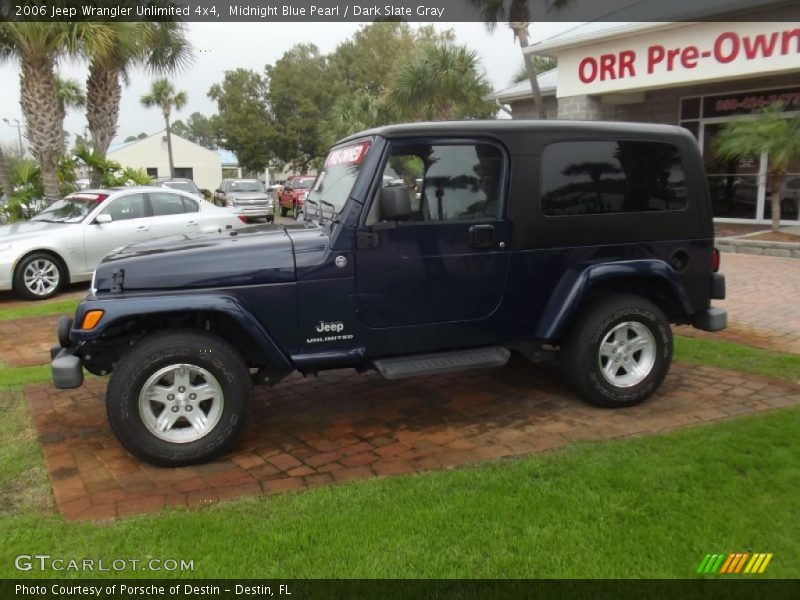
<point>119,308</point>
<point>577,283</point>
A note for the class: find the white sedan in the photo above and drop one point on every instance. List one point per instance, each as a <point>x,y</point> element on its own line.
<point>66,241</point>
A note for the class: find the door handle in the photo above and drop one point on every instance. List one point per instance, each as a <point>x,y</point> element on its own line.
<point>481,236</point>
<point>190,223</point>
<point>142,228</point>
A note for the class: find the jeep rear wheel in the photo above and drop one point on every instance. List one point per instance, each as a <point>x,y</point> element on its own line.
<point>618,352</point>
<point>178,397</point>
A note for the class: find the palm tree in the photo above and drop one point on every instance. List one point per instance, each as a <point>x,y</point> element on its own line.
<point>161,47</point>
<point>769,132</point>
<point>69,93</point>
<point>352,113</point>
<point>441,82</point>
<point>38,46</point>
<point>162,94</point>
<point>516,13</point>
<point>541,63</point>
<point>5,175</point>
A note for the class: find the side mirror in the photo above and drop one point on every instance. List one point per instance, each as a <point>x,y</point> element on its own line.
<point>395,205</point>
<point>103,218</point>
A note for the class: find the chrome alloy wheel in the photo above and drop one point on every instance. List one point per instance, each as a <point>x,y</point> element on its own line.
<point>627,354</point>
<point>181,403</point>
<point>41,277</point>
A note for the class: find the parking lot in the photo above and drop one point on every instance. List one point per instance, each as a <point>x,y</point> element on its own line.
<point>342,426</point>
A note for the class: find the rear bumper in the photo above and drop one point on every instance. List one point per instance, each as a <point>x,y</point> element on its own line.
<point>713,319</point>
<point>717,286</point>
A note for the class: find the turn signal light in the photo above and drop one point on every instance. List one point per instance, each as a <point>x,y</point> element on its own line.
<point>91,319</point>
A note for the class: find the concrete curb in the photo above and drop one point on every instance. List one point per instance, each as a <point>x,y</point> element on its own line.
<point>742,245</point>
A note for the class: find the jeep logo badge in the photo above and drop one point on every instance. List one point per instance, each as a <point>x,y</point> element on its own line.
<point>338,326</point>
<point>341,261</point>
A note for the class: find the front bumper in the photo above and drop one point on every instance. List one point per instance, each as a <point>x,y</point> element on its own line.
<point>253,211</point>
<point>66,370</point>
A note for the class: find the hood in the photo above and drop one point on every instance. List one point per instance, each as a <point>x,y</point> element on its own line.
<point>248,256</point>
<point>29,229</point>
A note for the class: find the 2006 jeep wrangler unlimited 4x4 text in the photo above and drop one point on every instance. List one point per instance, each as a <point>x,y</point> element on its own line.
<point>425,248</point>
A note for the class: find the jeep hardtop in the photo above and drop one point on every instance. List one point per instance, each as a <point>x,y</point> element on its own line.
<point>424,248</point>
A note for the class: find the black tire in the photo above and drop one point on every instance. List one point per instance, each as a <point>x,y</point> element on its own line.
<point>49,286</point>
<point>156,352</point>
<point>583,364</point>
<point>270,219</point>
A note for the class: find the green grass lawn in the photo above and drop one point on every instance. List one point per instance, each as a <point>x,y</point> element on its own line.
<point>40,309</point>
<point>641,507</point>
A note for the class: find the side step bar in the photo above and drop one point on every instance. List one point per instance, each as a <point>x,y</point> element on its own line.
<point>442,362</point>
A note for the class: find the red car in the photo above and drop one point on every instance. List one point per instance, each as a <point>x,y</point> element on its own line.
<point>294,193</point>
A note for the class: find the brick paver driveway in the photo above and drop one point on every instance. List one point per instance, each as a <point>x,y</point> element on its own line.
<point>763,302</point>
<point>342,426</point>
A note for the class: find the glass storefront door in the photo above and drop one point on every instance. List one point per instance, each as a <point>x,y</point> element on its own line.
<point>739,188</point>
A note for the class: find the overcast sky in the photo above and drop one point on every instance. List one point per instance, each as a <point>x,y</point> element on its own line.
<point>224,46</point>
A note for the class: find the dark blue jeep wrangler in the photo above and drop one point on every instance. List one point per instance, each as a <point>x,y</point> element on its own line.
<point>424,248</point>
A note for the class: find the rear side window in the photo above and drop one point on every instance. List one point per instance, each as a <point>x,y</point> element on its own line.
<point>166,204</point>
<point>604,177</point>
<point>172,204</point>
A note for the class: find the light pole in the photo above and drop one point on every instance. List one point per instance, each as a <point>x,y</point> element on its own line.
<point>19,132</point>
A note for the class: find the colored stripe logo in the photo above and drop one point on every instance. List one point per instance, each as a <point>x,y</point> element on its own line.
<point>734,562</point>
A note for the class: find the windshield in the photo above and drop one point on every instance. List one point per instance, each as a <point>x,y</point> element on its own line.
<point>245,186</point>
<point>302,184</point>
<point>334,182</point>
<point>70,209</point>
<point>186,186</point>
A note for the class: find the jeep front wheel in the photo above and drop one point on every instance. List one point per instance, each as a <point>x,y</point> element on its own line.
<point>178,397</point>
<point>618,352</point>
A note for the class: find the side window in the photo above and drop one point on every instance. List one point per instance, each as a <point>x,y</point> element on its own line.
<point>127,207</point>
<point>602,177</point>
<point>447,182</point>
<point>190,206</point>
<point>166,204</point>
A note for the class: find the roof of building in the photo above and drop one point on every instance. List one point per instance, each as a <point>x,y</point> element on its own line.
<point>120,145</point>
<point>639,16</point>
<point>547,85</point>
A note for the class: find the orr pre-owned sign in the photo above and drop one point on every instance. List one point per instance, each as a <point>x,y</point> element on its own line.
<point>683,53</point>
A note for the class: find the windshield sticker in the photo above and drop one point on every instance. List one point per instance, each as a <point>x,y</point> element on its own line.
<point>347,155</point>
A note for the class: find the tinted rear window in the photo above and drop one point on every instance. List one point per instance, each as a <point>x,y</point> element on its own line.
<point>603,177</point>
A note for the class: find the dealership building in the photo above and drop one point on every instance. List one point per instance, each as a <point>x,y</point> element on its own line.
<point>700,75</point>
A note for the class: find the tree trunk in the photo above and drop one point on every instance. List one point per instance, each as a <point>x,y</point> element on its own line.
<point>169,145</point>
<point>103,93</point>
<point>44,118</point>
<point>776,184</point>
<point>521,33</point>
<point>5,176</point>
